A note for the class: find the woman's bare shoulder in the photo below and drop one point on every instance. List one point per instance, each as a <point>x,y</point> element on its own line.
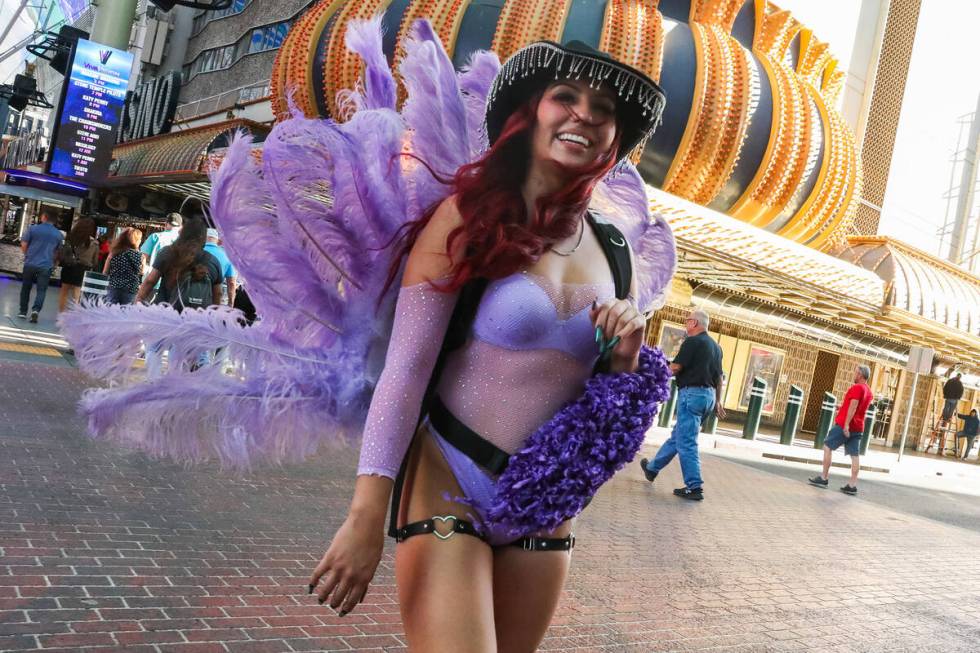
<point>429,258</point>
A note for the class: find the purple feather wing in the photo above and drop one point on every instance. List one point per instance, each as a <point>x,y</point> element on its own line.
<point>475,81</point>
<point>279,278</point>
<point>435,116</point>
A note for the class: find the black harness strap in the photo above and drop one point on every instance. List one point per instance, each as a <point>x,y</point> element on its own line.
<point>617,253</point>
<point>480,450</point>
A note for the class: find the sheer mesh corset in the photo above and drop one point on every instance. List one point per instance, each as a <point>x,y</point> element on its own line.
<point>530,351</point>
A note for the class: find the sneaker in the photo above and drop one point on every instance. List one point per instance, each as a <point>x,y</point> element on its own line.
<point>697,494</point>
<point>819,481</point>
<point>847,489</point>
<point>22,315</point>
<point>34,317</point>
<point>646,472</point>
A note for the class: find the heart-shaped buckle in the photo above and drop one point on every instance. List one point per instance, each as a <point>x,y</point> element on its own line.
<point>443,519</point>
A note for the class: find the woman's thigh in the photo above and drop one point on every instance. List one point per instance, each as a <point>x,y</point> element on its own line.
<point>526,588</point>
<point>445,587</point>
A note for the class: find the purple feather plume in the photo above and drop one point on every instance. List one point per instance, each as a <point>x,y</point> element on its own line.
<point>434,114</point>
<point>280,280</point>
<point>475,81</point>
<point>378,90</point>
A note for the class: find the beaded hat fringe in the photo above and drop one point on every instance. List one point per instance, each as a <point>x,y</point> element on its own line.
<point>629,85</point>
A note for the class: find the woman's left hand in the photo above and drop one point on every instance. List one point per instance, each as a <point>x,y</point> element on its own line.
<point>620,320</point>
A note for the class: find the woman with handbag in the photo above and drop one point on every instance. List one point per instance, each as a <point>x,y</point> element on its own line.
<point>124,267</point>
<point>79,253</point>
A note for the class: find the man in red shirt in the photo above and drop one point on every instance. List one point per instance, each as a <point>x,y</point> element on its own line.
<point>847,429</point>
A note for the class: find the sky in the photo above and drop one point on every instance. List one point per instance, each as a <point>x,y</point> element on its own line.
<point>942,86</point>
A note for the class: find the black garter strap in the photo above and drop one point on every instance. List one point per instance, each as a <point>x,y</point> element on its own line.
<point>464,527</point>
<point>531,543</point>
<point>426,526</point>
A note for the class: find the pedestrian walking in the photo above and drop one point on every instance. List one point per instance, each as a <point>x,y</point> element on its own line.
<point>952,393</point>
<point>78,254</point>
<point>40,245</point>
<point>124,267</point>
<point>971,426</point>
<point>185,277</point>
<point>188,276</point>
<point>156,241</point>
<point>698,372</point>
<point>228,274</point>
<point>105,246</point>
<point>847,430</point>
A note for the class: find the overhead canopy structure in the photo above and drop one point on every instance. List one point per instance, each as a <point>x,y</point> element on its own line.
<point>182,157</point>
<point>919,283</point>
<point>893,298</point>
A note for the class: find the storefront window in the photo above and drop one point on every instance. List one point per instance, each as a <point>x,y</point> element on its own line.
<point>767,364</point>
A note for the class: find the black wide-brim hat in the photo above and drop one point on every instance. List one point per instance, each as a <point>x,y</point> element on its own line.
<point>639,105</point>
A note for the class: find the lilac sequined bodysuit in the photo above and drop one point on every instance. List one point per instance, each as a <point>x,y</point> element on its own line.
<point>529,352</point>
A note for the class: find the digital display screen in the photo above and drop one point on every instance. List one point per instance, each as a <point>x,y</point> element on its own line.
<point>91,110</point>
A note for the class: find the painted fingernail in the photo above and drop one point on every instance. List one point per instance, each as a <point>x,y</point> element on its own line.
<point>320,601</point>
<point>598,333</point>
<point>312,587</point>
<point>612,343</point>
<point>342,613</point>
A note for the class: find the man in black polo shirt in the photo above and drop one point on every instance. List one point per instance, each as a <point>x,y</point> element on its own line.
<point>697,368</point>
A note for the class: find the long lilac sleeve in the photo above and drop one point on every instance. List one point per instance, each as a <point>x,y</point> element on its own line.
<point>421,318</point>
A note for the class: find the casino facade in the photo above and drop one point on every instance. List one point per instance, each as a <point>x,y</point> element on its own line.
<point>754,167</point>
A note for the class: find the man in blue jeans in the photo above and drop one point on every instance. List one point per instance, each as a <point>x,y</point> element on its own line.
<point>697,369</point>
<point>40,245</point>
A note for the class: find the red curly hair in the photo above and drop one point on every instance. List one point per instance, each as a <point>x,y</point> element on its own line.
<point>498,237</point>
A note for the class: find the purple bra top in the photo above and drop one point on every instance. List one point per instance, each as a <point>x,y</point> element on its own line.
<point>526,312</point>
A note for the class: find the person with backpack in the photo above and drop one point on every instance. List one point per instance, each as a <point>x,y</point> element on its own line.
<point>124,267</point>
<point>549,297</point>
<point>78,254</point>
<point>189,277</point>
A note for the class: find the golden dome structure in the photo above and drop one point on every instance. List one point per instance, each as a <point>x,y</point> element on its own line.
<point>750,127</point>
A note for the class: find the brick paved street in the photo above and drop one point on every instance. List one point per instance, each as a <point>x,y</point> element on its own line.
<point>105,550</point>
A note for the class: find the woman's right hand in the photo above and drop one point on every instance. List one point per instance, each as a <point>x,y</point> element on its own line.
<point>346,569</point>
<point>348,566</point>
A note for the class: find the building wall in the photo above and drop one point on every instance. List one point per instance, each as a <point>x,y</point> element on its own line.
<point>250,69</point>
<point>884,111</point>
<point>229,29</point>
